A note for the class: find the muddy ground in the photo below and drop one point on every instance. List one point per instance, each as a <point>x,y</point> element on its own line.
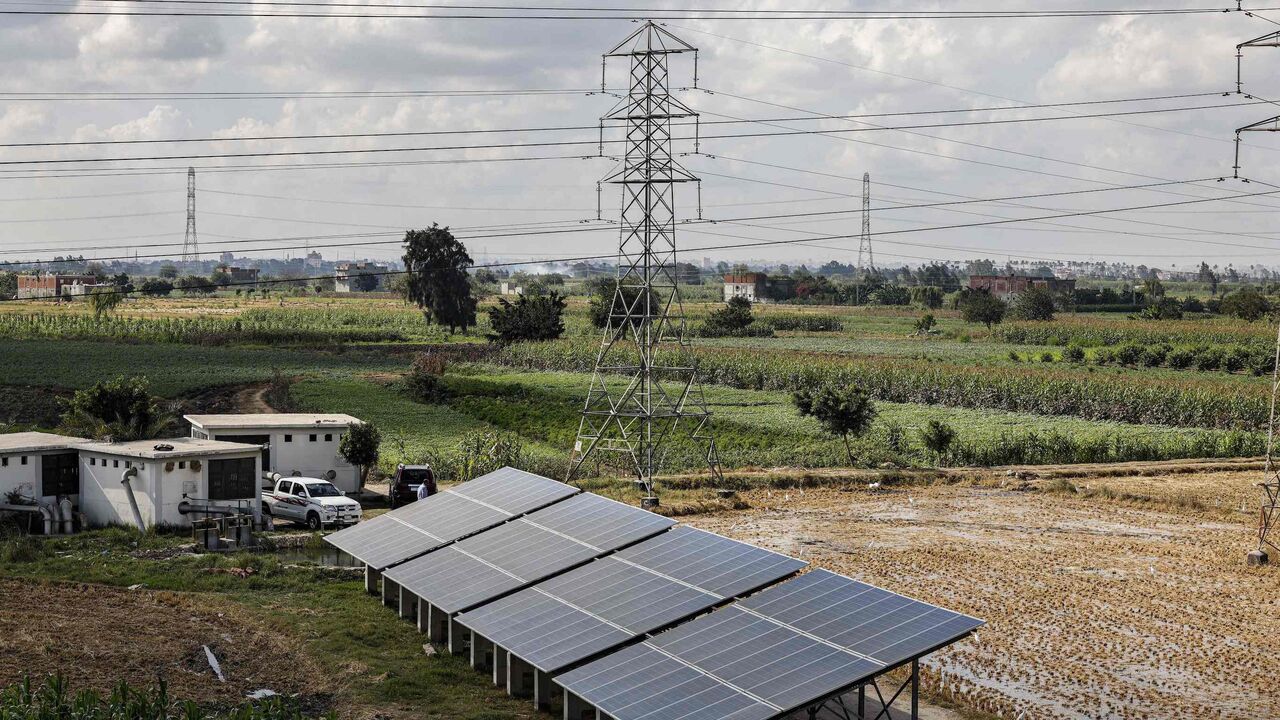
<point>97,635</point>
<point>1127,597</point>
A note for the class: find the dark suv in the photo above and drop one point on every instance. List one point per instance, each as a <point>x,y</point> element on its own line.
<point>407,480</point>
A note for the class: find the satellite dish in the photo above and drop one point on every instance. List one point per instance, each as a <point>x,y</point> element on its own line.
<point>330,475</point>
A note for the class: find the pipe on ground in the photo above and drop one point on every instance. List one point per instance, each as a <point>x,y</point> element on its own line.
<point>186,507</point>
<point>68,524</point>
<point>125,477</point>
<point>47,514</point>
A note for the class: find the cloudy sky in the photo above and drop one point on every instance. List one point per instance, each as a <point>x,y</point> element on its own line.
<point>83,78</point>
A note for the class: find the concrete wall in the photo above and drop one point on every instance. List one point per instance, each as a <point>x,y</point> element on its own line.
<point>158,488</point>
<point>25,478</point>
<point>300,454</point>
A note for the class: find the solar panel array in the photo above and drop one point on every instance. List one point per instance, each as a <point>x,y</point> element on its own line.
<point>524,551</point>
<point>651,585</point>
<point>447,516</point>
<point>787,647</point>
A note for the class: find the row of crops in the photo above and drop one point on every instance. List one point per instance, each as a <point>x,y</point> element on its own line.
<point>1139,399</point>
<point>1100,332</point>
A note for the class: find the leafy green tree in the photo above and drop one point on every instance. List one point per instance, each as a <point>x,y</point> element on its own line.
<point>603,291</point>
<point>937,437</point>
<point>734,317</point>
<point>122,409</point>
<point>844,410</point>
<point>929,296</point>
<point>890,295</point>
<point>1034,303</point>
<point>365,282</point>
<point>1246,303</point>
<point>980,306</point>
<point>156,287</point>
<point>437,277</point>
<point>528,318</point>
<point>220,277</point>
<point>104,300</point>
<point>1166,308</point>
<point>360,447</point>
<point>194,285</point>
<point>8,285</point>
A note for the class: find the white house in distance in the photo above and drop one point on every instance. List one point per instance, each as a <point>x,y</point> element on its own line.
<point>43,468</point>
<point>169,471</point>
<point>303,444</point>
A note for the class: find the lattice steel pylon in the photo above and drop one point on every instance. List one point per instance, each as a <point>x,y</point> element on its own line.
<point>866,260</point>
<point>645,386</point>
<point>1269,514</point>
<point>190,246</point>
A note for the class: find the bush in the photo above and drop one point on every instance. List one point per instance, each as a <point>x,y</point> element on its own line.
<point>1235,359</point>
<point>734,317</point>
<point>1046,356</point>
<point>890,295</point>
<point>1165,309</point>
<point>1246,303</point>
<point>1034,303</point>
<point>1155,355</point>
<point>1014,356</point>
<point>425,380</point>
<point>527,319</point>
<point>980,306</point>
<point>1181,359</point>
<point>1073,353</point>
<point>937,436</point>
<point>1209,359</point>
<point>1129,353</point>
<point>1262,363</point>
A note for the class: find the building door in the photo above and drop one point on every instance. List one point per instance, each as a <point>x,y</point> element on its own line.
<point>60,474</point>
<point>263,440</point>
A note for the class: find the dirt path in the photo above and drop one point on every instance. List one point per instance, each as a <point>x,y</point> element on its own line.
<point>252,399</point>
<point>1095,607</point>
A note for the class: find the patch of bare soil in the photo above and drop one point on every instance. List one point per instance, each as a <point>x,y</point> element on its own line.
<point>252,399</point>
<point>96,635</point>
<point>1095,607</point>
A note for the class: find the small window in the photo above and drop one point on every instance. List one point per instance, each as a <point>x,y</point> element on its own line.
<point>4,462</point>
<point>182,464</point>
<point>288,438</point>
<point>115,463</point>
<point>93,461</point>
<point>328,437</point>
<point>24,459</point>
<point>128,463</point>
<point>313,437</point>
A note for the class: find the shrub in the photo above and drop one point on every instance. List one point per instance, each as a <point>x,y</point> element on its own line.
<point>1246,303</point>
<point>122,409</point>
<point>926,323</point>
<point>1209,359</point>
<point>425,380</point>
<point>1235,360</point>
<point>1180,359</point>
<point>1155,355</point>
<point>1165,309</point>
<point>1014,356</point>
<point>1129,353</point>
<point>980,306</point>
<point>1073,353</point>
<point>1046,356</point>
<point>526,319</point>
<point>842,410</point>
<point>1034,303</point>
<point>1262,363</point>
<point>937,436</point>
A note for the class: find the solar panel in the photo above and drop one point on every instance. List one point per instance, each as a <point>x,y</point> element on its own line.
<point>603,604</point>
<point>458,512</point>
<point>863,618</point>
<point>524,551</point>
<point>783,649</point>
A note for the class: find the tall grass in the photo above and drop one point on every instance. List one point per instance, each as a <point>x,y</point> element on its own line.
<point>54,700</point>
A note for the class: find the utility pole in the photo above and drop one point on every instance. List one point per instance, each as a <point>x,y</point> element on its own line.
<point>1269,515</point>
<point>190,246</point>
<point>645,383</point>
<point>866,260</point>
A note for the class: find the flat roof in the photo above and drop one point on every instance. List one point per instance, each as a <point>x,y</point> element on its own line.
<point>34,441</point>
<point>182,447</point>
<point>270,420</point>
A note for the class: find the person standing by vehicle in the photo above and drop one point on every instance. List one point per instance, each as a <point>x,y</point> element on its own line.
<point>428,486</point>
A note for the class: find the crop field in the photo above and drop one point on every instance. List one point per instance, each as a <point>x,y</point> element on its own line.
<point>1095,606</point>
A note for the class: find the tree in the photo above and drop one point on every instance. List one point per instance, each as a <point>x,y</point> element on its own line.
<point>1166,308</point>
<point>359,446</point>
<point>603,291</point>
<point>842,410</point>
<point>122,409</point>
<point>1246,303</point>
<point>937,436</point>
<point>1034,303</point>
<point>8,285</point>
<point>733,318</point>
<point>929,297</point>
<point>105,299</point>
<point>156,287</point>
<point>980,306</point>
<point>194,284</point>
<point>220,277</point>
<point>365,282</point>
<point>437,277</point>
<point>528,318</point>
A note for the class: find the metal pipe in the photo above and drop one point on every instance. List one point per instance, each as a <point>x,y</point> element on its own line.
<point>68,524</point>
<point>125,477</point>
<point>47,514</point>
<point>186,507</point>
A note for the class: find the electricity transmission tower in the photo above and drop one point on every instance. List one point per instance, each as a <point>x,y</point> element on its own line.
<point>1269,516</point>
<point>190,246</point>
<point>866,261</point>
<point>645,386</point>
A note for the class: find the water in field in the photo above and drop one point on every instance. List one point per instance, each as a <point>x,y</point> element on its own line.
<point>323,557</point>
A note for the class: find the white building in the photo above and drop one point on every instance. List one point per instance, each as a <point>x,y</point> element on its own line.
<point>206,472</point>
<point>347,276</point>
<point>292,443</point>
<point>39,466</point>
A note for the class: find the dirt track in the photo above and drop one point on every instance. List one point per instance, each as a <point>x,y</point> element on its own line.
<point>97,635</point>
<point>1096,607</point>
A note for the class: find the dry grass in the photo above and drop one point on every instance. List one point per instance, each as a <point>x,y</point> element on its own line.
<point>1096,607</point>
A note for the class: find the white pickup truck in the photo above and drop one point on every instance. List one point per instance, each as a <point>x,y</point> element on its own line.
<point>312,501</point>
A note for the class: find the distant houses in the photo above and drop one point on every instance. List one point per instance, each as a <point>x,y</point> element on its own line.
<point>359,277</point>
<point>753,286</point>
<point>54,285</point>
<point>1006,287</point>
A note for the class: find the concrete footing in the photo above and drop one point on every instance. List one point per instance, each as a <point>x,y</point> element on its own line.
<point>1257,557</point>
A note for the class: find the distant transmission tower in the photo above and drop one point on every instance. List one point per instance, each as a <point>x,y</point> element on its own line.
<point>866,261</point>
<point>1269,516</point>
<point>645,383</point>
<point>190,246</point>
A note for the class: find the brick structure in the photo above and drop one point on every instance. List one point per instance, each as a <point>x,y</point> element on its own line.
<point>1008,286</point>
<point>752,286</point>
<point>51,285</point>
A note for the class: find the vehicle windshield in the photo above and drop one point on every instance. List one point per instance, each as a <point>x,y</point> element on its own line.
<point>322,490</point>
<point>414,477</point>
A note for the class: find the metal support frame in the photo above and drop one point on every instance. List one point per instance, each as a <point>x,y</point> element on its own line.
<point>190,246</point>
<point>645,379</point>
<point>1271,39</point>
<point>1269,514</point>
<point>842,710</point>
<point>866,260</point>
